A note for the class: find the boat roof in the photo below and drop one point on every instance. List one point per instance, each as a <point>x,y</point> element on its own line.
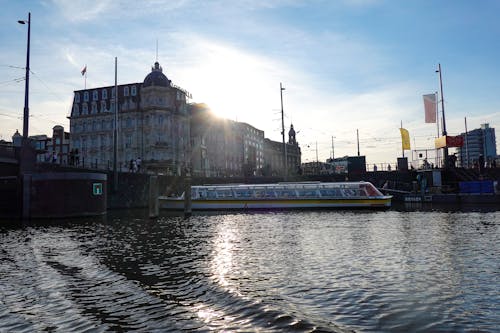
<point>312,184</point>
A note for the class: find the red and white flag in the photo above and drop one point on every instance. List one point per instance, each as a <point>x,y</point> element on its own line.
<point>84,70</point>
<point>430,101</point>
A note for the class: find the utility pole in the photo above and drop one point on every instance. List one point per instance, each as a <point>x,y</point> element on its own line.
<point>115,132</point>
<point>283,132</point>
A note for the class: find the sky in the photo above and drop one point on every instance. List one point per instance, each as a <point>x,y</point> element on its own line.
<point>347,66</point>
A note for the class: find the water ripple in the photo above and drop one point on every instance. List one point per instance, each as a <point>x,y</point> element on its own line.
<point>267,272</point>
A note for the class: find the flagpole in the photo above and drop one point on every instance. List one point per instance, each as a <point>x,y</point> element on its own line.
<point>445,149</point>
<point>437,124</point>
<point>466,146</point>
<point>402,147</point>
<point>85,84</point>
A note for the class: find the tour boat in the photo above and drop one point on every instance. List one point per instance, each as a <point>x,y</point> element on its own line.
<point>281,196</point>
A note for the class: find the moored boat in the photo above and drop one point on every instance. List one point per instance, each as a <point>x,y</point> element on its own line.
<point>281,196</point>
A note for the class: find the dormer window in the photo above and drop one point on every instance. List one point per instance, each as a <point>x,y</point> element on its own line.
<point>86,96</point>
<point>125,91</point>
<point>85,109</point>
<point>95,95</point>
<point>77,98</point>
<point>104,94</point>
<point>134,91</point>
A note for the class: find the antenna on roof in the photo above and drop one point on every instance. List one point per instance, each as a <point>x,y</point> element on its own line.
<point>156,49</point>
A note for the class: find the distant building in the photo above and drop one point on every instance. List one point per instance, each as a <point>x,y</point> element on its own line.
<point>223,147</point>
<point>152,124</point>
<point>480,141</point>
<point>58,145</point>
<point>253,148</point>
<point>41,146</point>
<point>274,156</point>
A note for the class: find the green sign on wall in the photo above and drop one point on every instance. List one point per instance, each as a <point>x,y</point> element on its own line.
<point>97,189</point>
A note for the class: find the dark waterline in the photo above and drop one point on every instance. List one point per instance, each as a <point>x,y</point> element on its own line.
<point>409,269</point>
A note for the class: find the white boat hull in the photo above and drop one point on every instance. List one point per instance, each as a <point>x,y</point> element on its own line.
<point>178,203</point>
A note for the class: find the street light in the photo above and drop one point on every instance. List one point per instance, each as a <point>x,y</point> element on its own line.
<point>26,89</point>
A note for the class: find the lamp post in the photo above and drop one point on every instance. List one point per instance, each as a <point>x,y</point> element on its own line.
<point>27,158</point>
<point>333,148</point>
<point>26,89</point>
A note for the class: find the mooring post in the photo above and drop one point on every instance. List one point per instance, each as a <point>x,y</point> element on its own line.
<point>187,194</point>
<point>153,197</point>
<point>26,196</point>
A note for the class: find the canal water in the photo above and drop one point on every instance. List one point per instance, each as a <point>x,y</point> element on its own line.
<point>303,271</point>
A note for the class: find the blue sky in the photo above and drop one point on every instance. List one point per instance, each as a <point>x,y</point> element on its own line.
<point>345,64</point>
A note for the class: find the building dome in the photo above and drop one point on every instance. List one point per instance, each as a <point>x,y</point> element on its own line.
<point>156,78</point>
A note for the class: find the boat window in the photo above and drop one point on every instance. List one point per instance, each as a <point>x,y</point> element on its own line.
<point>259,193</point>
<point>224,194</point>
<point>243,193</point>
<point>307,193</point>
<point>372,190</point>
<point>285,193</point>
<point>329,192</point>
<point>270,194</point>
<point>349,192</point>
<point>362,191</point>
<point>211,194</point>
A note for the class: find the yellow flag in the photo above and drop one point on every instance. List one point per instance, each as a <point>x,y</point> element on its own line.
<point>405,139</point>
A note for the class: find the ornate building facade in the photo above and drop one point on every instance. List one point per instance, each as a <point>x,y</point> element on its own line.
<point>274,156</point>
<point>152,124</point>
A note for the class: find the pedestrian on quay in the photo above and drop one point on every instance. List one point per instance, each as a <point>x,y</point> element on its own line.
<point>138,162</point>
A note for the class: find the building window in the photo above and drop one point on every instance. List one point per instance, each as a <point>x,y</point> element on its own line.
<point>94,108</point>
<point>75,109</point>
<point>85,109</point>
<point>125,91</point>
<point>104,94</point>
<point>86,96</point>
<point>103,106</point>
<point>95,95</point>
<point>77,98</point>
<point>134,91</point>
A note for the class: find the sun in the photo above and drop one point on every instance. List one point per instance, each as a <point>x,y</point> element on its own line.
<point>234,84</point>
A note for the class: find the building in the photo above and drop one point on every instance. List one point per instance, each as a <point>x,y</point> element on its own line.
<point>151,123</point>
<point>480,141</point>
<point>223,147</point>
<point>252,140</point>
<point>274,156</point>
<point>58,145</point>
